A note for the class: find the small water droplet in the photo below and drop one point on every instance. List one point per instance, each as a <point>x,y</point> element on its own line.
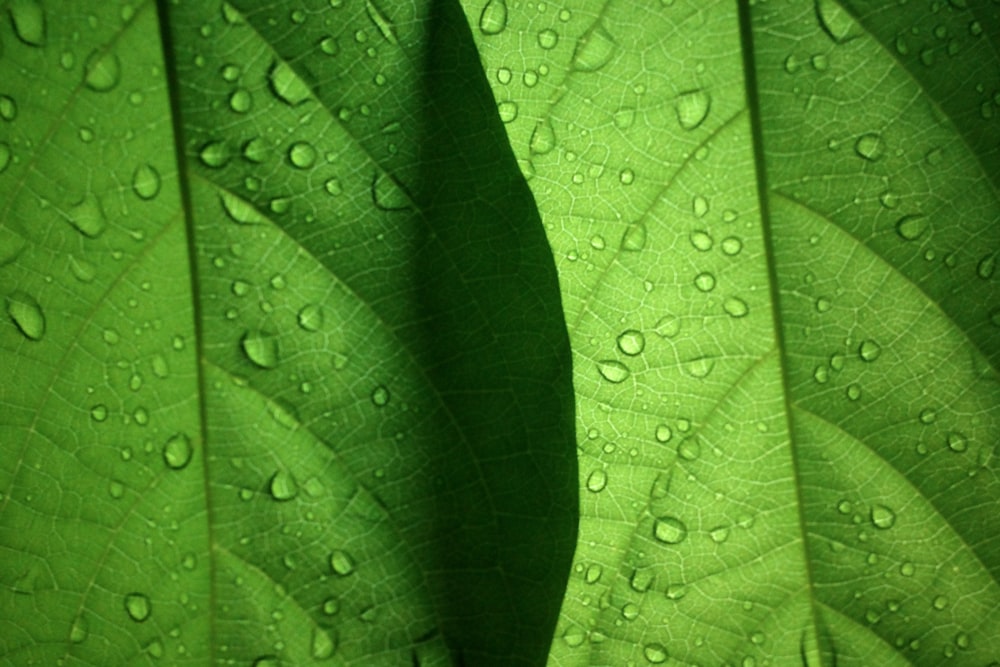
<point>869,146</point>
<point>689,448</point>
<point>146,182</point>
<point>907,569</point>
<point>668,326</point>
<point>102,71</point>
<point>380,396</point>
<point>241,100</point>
<point>836,21</point>
<point>593,574</point>
<point>631,342</point>
<point>701,240</point>
<point>138,607</point>
<point>543,138</point>
<point>692,108</point>
<point>705,281</point>
<point>387,194</point>
<point>699,206</point>
<point>927,416</point>
<point>597,480</point>
<point>957,442</point>
<point>177,451</point>
<point>655,653</point>
<point>283,486</point>
<point>624,118</point>
<point>507,110</point>
<point>634,238</point>
<point>302,155</point>
<point>323,643</point>
<point>8,108</point>
<point>493,20</point>
<point>614,372</point>
<point>5,156</point>
<point>310,318</point>
<point>987,266</point>
<point>287,85</point>
<point>87,216</point>
<point>240,211</point>
<point>911,227</point>
<point>699,367</point>
<point>80,630</point>
<point>853,391</point>
<point>548,38</point>
<point>882,517</point>
<point>663,433</point>
<point>719,534</point>
<point>26,315</point>
<point>669,530</point>
<point>594,49</point>
<point>869,350</point>
<point>261,348</point>
<point>939,602</point>
<point>736,307</point>
<point>341,562</point>
<point>99,412</point>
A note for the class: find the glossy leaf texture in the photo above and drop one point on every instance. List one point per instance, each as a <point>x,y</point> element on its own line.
<point>289,381</point>
<point>776,226</point>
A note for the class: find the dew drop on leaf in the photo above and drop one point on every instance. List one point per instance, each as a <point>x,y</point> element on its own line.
<point>87,216</point>
<point>957,442</point>
<point>614,372</point>
<point>631,342</point>
<point>29,21</point>
<point>736,307</point>
<point>507,110</point>
<point>548,38</point>
<point>543,138</point>
<point>853,391</point>
<point>987,266</point>
<point>241,101</point>
<point>341,562</point>
<point>102,71</point>
<point>99,412</point>
<point>699,367</point>
<point>323,644</point>
<point>387,195</point>
<point>705,281</point>
<point>177,451</point>
<point>8,108</point>
<point>138,607</point>
<point>663,433</point>
<point>302,155</point>
<point>145,182</point>
<point>634,238</point>
<point>594,50</point>
<point>626,177</point>
<point>287,85</point>
<point>927,416</point>
<point>26,315</point>
<point>214,154</point>
<point>80,630</point>
<point>699,206</point>
<point>493,20</point>
<point>869,350</point>
<point>692,108</point>
<point>255,150</point>
<point>267,661</point>
<point>283,486</point>
<point>911,227</point>
<point>836,21</point>
<point>701,240</point>
<point>624,118</point>
<point>260,348</point>
<point>869,146</point>
<point>310,317</point>
<point>669,530</point>
<point>689,449</point>
<point>883,517</point>
<point>597,480</point>
<point>940,602</point>
<point>655,653</point>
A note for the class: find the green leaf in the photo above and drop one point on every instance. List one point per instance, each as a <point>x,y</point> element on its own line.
<point>287,359</point>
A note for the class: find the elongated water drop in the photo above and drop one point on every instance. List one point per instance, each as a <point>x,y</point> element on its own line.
<point>493,20</point>
<point>87,216</point>
<point>341,562</point>
<point>634,237</point>
<point>287,85</point>
<point>543,138</point>
<point>26,314</point>
<point>146,182</point>
<point>594,50</point>
<point>692,108</point>
<point>614,372</point>
<point>28,17</point>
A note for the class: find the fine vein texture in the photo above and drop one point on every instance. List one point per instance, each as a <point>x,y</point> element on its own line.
<point>287,377</point>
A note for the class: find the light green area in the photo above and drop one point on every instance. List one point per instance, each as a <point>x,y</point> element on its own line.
<point>285,365</point>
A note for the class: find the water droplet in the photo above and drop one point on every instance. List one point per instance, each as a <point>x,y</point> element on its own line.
<point>597,480</point>
<point>957,442</point>
<point>310,318</point>
<point>699,367</point>
<point>239,210</point>
<point>907,569</point>
<point>138,607</point>
<point>302,155</point>
<point>548,38</point>
<point>593,574</point>
<point>255,150</point>
<point>911,227</point>
<point>8,108</point>
<point>613,371</point>
<point>26,315</point>
<point>102,71</point>
<point>507,110</point>
<point>287,85</point>
<point>663,433</point>
<point>719,534</point>
<point>80,630</point>
<point>669,530</point>
<point>283,486</point>
<point>29,21</point>
<point>493,20</point>
<point>624,118</point>
<point>869,350</point>
<point>593,50</point>
<point>701,240</point>
<point>116,489</point>
<point>267,661</point>
<point>869,146</point>
<point>341,562</point>
<point>882,517</point>
<point>382,22</point>
<point>323,644</point>
<point>655,653</point>
<point>630,611</point>
<point>387,194</point>
<point>146,182</point>
<point>853,391</point>
<point>689,448</point>
<point>380,396</point>
<point>692,108</point>
<point>927,416</point>
<point>99,412</point>
<point>260,348</point>
<point>987,266</point>
<point>87,216</point>
<point>543,138</point>
<point>177,451</point>
<point>214,154</point>
<point>836,21</point>
<point>736,307</point>
<point>241,101</point>
<point>634,238</point>
<point>939,602</point>
<point>631,342</point>
<point>626,177</point>
<point>705,281</point>
<point>699,205</point>
<point>668,326</point>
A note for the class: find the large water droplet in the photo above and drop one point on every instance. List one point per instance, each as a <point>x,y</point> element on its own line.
<point>957,442</point>
<point>341,562</point>
<point>736,307</point>
<point>613,371</point>
<point>883,517</point>
<point>669,530</point>
<point>387,194</point>
<point>689,449</point>
<point>214,154</point>
<point>493,20</point>
<point>302,155</point>
<point>634,238</point>
<point>26,314</point>
<point>102,71</point>
<point>88,216</point>
<point>310,318</point>
<point>655,653</point>
<point>382,22</point>
<point>543,138</point>
<point>29,21</point>
<point>239,210</point>
<point>869,146</point>
<point>597,480</point>
<point>241,101</point>
<point>177,451</point>
<point>705,281</point>
<point>138,607</point>
<point>692,108</point>
<point>836,21</point>
<point>146,182</point>
<point>911,227</point>
<point>631,342</point>
<point>699,367</point>
<point>323,643</point>
<point>548,38</point>
<point>869,350</point>
<point>261,348</point>
<point>593,50</point>
<point>283,486</point>
<point>287,85</point>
